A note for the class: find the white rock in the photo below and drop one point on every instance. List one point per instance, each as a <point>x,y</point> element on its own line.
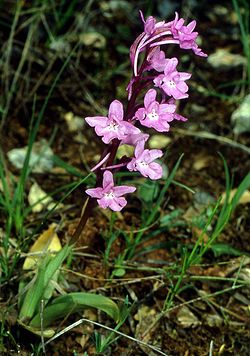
<point>94,39</point>
<point>75,123</point>
<point>241,117</point>
<point>223,59</point>
<point>39,200</point>
<point>41,158</point>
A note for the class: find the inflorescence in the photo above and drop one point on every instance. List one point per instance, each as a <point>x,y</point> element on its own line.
<point>120,127</point>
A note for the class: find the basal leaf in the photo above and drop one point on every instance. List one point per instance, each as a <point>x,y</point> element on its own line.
<point>73,302</point>
<point>45,273</point>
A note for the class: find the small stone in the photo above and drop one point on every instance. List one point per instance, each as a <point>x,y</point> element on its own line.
<point>60,46</point>
<point>41,158</point>
<point>75,123</point>
<point>222,59</point>
<point>241,117</point>
<point>202,199</point>
<point>94,39</point>
<point>186,318</point>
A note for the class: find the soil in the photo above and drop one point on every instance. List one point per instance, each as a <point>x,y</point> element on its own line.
<point>196,322</point>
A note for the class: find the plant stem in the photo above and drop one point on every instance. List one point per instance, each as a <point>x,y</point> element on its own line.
<point>91,203</point>
<point>88,208</point>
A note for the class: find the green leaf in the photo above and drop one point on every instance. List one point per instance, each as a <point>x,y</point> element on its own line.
<point>171,219</point>
<point>225,249</point>
<point>33,296</point>
<point>67,167</point>
<point>244,185</point>
<point>45,273</point>
<point>91,300</point>
<point>73,302</point>
<point>225,212</point>
<point>46,333</point>
<point>148,191</point>
<point>161,197</point>
<point>119,272</point>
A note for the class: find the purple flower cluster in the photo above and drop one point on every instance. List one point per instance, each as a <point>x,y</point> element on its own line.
<point>119,127</point>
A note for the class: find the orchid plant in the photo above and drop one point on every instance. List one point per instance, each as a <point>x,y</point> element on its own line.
<point>150,68</point>
<point>119,127</point>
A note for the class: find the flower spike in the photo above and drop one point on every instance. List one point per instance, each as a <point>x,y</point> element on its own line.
<point>157,111</point>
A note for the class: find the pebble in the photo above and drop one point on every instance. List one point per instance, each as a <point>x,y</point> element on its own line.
<point>240,118</point>
<point>41,157</point>
<point>222,59</point>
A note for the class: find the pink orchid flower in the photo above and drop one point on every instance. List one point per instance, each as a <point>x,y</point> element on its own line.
<point>176,116</point>
<point>112,126</point>
<point>157,60</point>
<point>149,24</point>
<point>152,30</point>
<point>132,140</point>
<point>161,33</point>
<point>143,162</point>
<point>185,35</point>
<point>172,81</point>
<point>154,114</point>
<point>109,196</point>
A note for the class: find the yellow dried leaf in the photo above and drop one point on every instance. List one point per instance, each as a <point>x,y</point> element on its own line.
<point>47,241</point>
<point>47,333</point>
<point>39,200</point>
<point>186,318</point>
<point>75,123</point>
<point>200,161</point>
<point>244,199</point>
<point>94,39</point>
<point>124,150</point>
<point>159,141</point>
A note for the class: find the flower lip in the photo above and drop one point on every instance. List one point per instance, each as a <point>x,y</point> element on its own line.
<point>109,195</point>
<point>144,162</point>
<point>113,126</point>
<point>154,114</point>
